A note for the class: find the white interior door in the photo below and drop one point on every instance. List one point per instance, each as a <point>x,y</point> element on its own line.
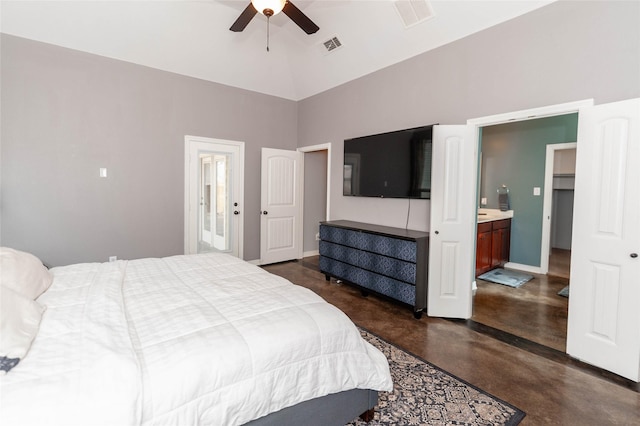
<point>214,190</point>
<point>453,221</point>
<point>281,203</point>
<point>604,315</point>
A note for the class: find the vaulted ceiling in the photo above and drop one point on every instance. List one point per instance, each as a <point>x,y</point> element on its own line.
<point>193,37</point>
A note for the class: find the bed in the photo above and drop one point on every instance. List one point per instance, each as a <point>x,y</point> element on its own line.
<point>198,339</point>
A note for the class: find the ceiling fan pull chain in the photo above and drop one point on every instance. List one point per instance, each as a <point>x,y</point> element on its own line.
<point>267,33</point>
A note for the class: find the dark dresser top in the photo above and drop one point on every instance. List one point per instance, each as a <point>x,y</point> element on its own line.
<point>407,234</point>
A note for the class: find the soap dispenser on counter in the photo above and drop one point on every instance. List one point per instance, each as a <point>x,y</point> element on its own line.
<point>503,198</point>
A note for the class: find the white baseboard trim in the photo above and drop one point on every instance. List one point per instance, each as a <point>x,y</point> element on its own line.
<point>254,262</point>
<point>524,268</point>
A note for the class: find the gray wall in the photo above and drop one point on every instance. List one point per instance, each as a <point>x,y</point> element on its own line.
<point>514,154</point>
<point>563,52</point>
<point>66,113</point>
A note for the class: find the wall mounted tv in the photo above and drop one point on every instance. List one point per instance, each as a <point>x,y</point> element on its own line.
<point>389,165</point>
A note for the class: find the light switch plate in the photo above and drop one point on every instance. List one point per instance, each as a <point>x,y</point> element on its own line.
<point>536,190</point>
<point>103,172</point>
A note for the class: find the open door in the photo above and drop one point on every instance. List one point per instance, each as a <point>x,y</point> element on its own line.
<point>604,288</point>
<point>282,204</point>
<point>453,221</point>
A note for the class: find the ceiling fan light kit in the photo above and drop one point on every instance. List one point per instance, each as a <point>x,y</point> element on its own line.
<point>269,8</point>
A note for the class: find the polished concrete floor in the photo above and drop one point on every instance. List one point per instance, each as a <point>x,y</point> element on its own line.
<point>559,263</point>
<point>545,383</point>
<point>534,311</point>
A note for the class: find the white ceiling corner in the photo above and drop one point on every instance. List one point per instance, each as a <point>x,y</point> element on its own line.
<point>193,38</point>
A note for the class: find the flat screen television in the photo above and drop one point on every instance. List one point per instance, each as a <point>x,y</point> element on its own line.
<point>389,165</point>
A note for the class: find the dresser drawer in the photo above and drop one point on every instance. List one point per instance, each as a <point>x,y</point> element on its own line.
<point>388,266</point>
<point>339,252</point>
<point>379,283</point>
<point>345,237</point>
<point>380,244</point>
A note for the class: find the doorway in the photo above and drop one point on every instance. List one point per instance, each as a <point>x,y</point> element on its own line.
<point>560,177</point>
<point>517,154</point>
<point>602,306</point>
<point>213,195</point>
<point>317,194</point>
<point>312,202</point>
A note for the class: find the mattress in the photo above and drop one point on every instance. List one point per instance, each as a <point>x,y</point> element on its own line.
<point>200,339</point>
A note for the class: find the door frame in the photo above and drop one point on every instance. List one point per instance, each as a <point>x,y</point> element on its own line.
<point>547,203</point>
<point>322,147</point>
<point>509,117</point>
<point>524,115</point>
<point>530,114</point>
<point>189,224</point>
<point>317,148</point>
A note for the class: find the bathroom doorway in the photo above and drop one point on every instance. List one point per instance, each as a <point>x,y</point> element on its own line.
<point>516,154</point>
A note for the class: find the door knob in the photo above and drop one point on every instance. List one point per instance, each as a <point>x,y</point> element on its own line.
<point>437,232</point>
<point>264,212</point>
<point>633,255</point>
<point>236,212</point>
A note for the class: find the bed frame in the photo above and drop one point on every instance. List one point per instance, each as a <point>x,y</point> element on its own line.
<point>334,409</point>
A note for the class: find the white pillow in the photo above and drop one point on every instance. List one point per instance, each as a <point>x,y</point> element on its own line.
<point>23,272</point>
<point>19,323</point>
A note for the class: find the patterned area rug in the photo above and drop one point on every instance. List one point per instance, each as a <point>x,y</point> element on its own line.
<point>424,394</point>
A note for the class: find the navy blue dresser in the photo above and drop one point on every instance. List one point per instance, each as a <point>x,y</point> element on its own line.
<point>389,261</point>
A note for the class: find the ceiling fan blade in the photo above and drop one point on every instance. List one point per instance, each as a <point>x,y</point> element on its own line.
<point>243,20</point>
<point>300,18</point>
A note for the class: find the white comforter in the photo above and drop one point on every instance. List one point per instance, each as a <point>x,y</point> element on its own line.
<point>205,339</point>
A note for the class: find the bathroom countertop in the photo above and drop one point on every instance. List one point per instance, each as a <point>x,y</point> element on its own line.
<point>489,215</point>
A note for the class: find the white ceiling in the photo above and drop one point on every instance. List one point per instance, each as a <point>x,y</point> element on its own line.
<point>193,38</point>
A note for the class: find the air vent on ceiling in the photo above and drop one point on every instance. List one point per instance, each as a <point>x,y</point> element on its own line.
<point>413,12</point>
<point>332,44</point>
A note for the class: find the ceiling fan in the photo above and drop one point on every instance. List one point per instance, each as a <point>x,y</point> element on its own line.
<point>272,7</point>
